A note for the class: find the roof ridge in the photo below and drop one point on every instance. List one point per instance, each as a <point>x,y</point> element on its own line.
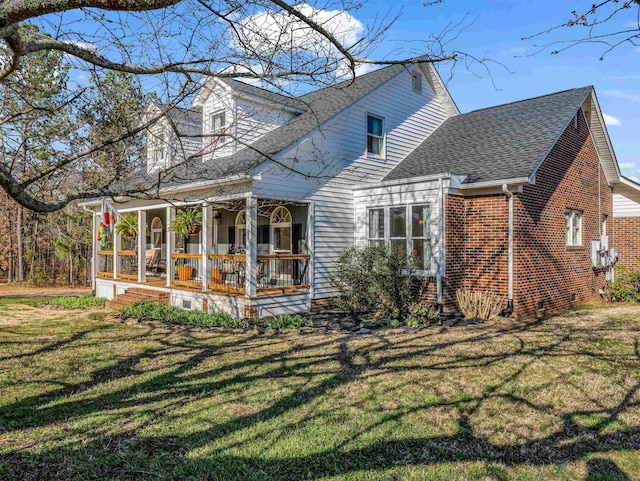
<point>357,77</point>
<point>527,99</point>
<point>290,97</point>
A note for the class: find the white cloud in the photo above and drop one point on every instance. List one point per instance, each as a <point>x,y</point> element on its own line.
<point>275,35</point>
<point>627,165</point>
<point>610,120</point>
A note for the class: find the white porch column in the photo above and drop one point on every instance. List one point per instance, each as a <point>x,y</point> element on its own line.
<point>142,246</point>
<point>94,252</point>
<point>116,248</point>
<point>251,247</point>
<point>310,242</point>
<point>206,246</point>
<point>170,242</point>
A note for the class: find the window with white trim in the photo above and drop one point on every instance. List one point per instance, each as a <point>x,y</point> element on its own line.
<point>375,135</point>
<point>420,235</point>
<point>218,125</point>
<point>416,80</point>
<point>573,221</point>
<point>241,228</point>
<point>156,233</point>
<point>404,227</point>
<point>376,227</point>
<point>398,228</point>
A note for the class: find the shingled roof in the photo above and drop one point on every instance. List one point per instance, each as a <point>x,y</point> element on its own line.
<point>503,142</point>
<point>319,106</point>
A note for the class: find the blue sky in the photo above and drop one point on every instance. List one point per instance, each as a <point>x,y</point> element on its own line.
<point>496,33</point>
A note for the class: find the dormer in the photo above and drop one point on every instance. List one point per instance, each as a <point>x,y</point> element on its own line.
<point>236,114</point>
<point>175,137</point>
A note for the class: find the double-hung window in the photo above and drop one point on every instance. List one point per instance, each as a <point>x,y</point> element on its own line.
<point>218,125</point>
<point>405,228</point>
<point>573,227</point>
<point>376,227</point>
<point>398,228</point>
<point>375,135</point>
<point>420,235</point>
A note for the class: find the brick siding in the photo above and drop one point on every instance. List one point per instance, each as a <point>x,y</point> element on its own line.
<point>545,269</point>
<point>625,237</point>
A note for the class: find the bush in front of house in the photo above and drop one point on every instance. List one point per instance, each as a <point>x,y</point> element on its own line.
<point>626,286</point>
<point>156,311</point>
<point>479,305</point>
<point>374,278</point>
<point>285,321</point>
<point>421,314</point>
<point>76,302</point>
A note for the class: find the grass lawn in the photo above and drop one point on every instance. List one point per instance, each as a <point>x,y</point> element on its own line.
<point>84,397</point>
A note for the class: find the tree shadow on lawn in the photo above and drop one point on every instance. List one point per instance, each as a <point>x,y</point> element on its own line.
<point>315,372</point>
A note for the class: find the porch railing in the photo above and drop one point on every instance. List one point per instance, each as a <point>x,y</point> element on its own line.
<point>128,265</point>
<point>228,272</point>
<point>188,270</point>
<point>273,272</point>
<point>280,272</point>
<point>105,264</point>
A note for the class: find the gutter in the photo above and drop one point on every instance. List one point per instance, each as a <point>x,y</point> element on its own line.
<point>509,310</point>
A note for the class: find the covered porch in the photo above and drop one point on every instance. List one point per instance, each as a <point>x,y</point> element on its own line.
<point>246,247</point>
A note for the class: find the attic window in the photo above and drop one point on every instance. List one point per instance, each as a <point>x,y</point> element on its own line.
<point>416,80</point>
<point>218,124</point>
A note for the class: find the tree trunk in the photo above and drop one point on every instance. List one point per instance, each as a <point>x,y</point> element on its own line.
<point>20,239</point>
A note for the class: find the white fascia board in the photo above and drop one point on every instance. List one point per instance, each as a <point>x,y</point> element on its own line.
<point>233,179</point>
<point>411,180</point>
<point>442,85</point>
<point>601,125</point>
<point>514,181</point>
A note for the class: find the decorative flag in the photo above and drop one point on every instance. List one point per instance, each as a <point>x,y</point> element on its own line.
<point>109,215</point>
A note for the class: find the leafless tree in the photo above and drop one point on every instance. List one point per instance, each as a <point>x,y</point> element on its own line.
<point>610,23</point>
<point>172,47</point>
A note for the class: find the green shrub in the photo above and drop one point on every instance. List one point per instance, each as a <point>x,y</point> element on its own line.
<point>421,315</point>
<point>374,278</point>
<point>286,321</point>
<point>351,277</point>
<point>152,310</point>
<point>76,302</point>
<point>626,286</point>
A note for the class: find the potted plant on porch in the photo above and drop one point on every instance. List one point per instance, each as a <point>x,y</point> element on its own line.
<point>187,222</point>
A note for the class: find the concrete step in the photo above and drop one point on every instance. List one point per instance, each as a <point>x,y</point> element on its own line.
<point>147,293</point>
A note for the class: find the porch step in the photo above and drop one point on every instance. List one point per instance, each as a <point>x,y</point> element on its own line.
<point>147,293</point>
<point>128,299</point>
<point>114,305</point>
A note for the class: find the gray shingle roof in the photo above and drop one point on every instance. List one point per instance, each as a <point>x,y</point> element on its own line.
<point>503,142</point>
<point>319,106</point>
<point>263,93</point>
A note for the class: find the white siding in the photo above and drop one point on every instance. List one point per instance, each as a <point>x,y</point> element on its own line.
<point>335,158</point>
<point>275,306</point>
<point>245,120</point>
<point>161,135</point>
<point>625,207</point>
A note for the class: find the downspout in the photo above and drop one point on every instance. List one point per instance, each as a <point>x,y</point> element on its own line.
<point>509,310</point>
<point>440,274</point>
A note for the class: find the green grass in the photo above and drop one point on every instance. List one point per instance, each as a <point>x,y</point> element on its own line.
<point>76,302</point>
<point>85,397</point>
